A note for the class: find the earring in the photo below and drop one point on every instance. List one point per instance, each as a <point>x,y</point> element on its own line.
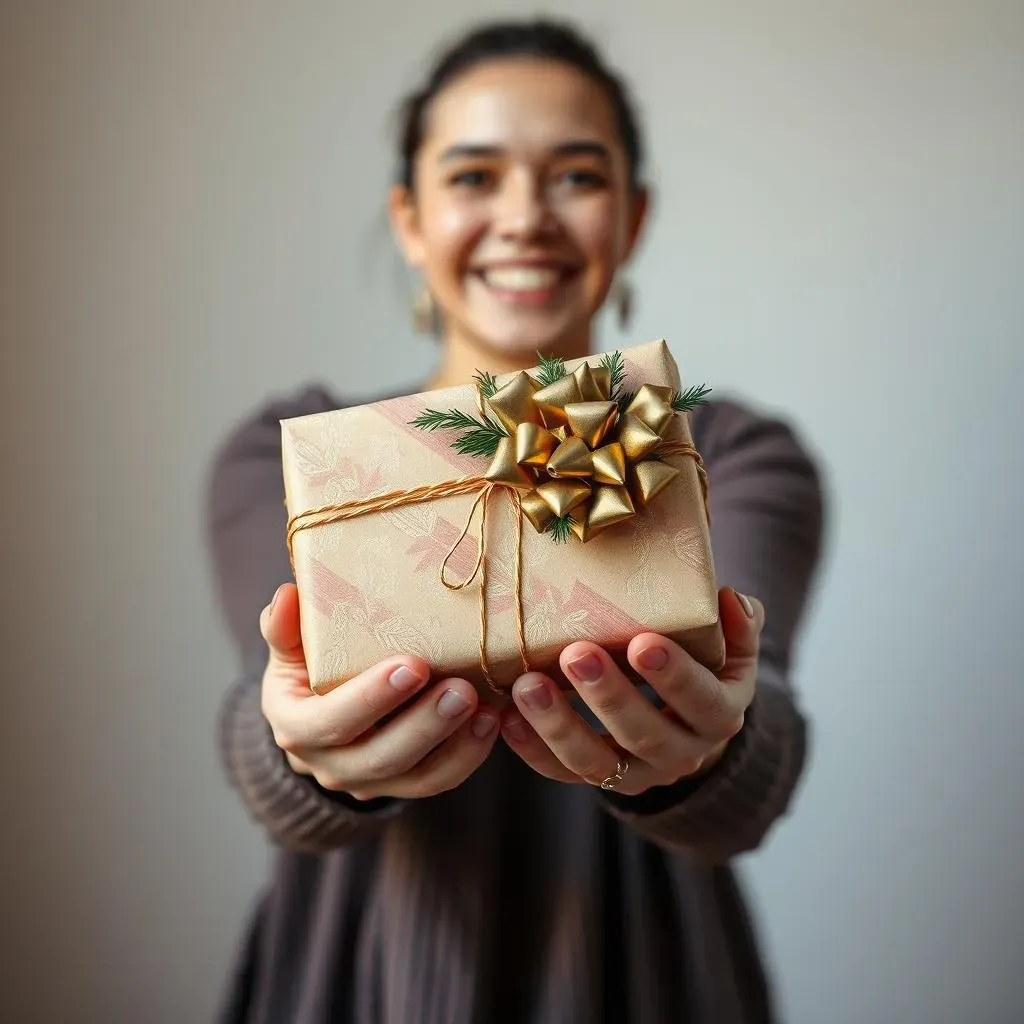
<point>624,301</point>
<point>424,313</point>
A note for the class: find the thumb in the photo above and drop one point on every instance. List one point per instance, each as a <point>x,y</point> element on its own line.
<point>742,620</point>
<point>279,624</point>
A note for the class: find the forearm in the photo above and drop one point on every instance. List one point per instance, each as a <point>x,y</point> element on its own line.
<point>294,811</point>
<point>729,809</point>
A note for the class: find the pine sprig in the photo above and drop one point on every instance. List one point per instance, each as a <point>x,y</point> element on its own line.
<point>435,419</point>
<point>687,400</point>
<point>480,437</point>
<point>485,382</point>
<point>560,528</point>
<point>616,367</point>
<point>551,370</point>
<point>482,440</point>
<point>624,399</point>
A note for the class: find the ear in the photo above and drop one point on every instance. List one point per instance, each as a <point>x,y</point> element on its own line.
<point>404,217</point>
<point>640,207</point>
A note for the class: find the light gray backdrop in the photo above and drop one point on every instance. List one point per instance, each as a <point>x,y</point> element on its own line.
<point>191,207</point>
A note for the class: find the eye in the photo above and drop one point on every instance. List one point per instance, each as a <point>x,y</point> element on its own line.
<point>472,178</point>
<point>580,178</point>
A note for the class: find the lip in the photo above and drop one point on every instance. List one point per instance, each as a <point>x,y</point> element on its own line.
<point>544,296</point>
<point>563,266</point>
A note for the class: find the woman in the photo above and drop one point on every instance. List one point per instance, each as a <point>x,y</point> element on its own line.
<point>428,870</point>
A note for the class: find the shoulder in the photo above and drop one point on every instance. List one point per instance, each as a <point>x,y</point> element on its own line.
<point>246,464</point>
<point>758,462</point>
<point>733,437</point>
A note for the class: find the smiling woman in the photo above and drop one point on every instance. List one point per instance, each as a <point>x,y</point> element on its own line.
<point>519,197</point>
<point>577,870</point>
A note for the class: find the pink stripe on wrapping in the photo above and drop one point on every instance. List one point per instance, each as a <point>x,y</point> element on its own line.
<point>400,411</point>
<point>607,621</point>
<point>325,589</point>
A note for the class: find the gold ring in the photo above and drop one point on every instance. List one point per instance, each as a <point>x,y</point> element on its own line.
<point>620,773</point>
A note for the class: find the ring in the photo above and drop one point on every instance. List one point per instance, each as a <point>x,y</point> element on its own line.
<point>620,773</point>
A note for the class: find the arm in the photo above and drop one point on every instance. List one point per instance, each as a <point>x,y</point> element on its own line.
<point>766,523</point>
<point>246,526</point>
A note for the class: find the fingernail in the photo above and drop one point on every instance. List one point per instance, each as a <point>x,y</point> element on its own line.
<point>537,697</point>
<point>452,704</point>
<point>587,669</point>
<point>273,600</point>
<point>405,679</point>
<point>483,726</point>
<point>745,602</point>
<point>515,725</point>
<point>653,658</point>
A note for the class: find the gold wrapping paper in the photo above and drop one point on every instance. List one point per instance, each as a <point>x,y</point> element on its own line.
<point>370,587</point>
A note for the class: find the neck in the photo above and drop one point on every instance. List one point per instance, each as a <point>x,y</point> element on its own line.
<point>464,356</point>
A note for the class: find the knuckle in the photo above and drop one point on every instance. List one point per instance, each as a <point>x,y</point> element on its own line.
<point>735,726</point>
<point>332,781</point>
<point>690,765</point>
<point>285,739</point>
<point>386,762</point>
<point>648,747</point>
<point>613,703</point>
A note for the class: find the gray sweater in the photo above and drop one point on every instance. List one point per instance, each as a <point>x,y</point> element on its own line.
<point>514,898</point>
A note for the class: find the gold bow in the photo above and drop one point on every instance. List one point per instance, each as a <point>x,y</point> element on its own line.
<point>574,455</point>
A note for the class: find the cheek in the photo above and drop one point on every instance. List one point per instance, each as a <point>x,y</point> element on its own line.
<point>594,225</point>
<point>451,234</point>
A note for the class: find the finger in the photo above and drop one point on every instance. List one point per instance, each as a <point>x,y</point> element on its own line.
<point>279,624</point>
<point>742,621</point>
<point>707,707</point>
<point>450,763</point>
<point>310,721</point>
<point>524,741</point>
<point>631,719</point>
<point>567,736</point>
<point>407,739</point>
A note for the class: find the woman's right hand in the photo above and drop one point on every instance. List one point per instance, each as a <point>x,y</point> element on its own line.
<point>429,747</point>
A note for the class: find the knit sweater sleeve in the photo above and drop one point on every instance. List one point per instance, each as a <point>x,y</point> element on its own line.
<point>246,522</point>
<point>766,531</point>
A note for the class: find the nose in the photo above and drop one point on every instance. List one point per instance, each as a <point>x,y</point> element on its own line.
<point>521,210</point>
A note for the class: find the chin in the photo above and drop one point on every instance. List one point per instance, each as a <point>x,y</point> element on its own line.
<point>525,340</point>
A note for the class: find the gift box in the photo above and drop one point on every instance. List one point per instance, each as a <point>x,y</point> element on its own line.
<point>487,526</point>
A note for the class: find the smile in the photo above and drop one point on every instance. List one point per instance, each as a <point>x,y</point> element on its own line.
<point>526,283</point>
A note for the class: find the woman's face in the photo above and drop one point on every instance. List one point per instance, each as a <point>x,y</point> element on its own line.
<point>521,210</point>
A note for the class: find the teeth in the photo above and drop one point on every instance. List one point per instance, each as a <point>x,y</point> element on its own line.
<point>522,279</point>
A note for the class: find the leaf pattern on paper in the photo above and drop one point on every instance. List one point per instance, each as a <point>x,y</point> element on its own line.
<point>688,547</point>
<point>313,460</point>
<point>638,582</point>
<point>413,520</point>
<point>376,568</point>
<point>398,636</point>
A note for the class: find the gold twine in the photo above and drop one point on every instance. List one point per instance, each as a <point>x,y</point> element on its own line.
<point>484,490</point>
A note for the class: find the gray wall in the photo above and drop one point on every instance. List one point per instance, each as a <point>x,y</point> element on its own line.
<point>191,205</point>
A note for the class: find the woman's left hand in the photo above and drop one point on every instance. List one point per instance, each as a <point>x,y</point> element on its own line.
<point>656,746</point>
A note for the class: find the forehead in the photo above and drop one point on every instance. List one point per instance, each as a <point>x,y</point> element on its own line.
<point>520,103</point>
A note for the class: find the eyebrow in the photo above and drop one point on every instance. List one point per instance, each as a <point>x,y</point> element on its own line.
<point>579,147</point>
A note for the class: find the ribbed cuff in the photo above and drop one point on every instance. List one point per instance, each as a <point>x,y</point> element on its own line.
<point>295,810</point>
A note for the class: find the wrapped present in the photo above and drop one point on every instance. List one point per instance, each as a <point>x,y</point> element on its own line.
<point>485,527</point>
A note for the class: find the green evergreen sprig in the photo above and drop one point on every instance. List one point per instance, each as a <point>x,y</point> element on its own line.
<point>480,437</point>
<point>486,383</point>
<point>616,367</point>
<point>686,401</point>
<point>560,528</point>
<point>550,370</point>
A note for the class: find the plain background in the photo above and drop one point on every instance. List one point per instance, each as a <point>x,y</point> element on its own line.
<point>192,220</point>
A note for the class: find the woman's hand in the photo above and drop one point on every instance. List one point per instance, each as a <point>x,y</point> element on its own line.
<point>341,738</point>
<point>657,746</point>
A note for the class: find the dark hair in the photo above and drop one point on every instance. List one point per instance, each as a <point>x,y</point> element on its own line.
<point>549,40</point>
